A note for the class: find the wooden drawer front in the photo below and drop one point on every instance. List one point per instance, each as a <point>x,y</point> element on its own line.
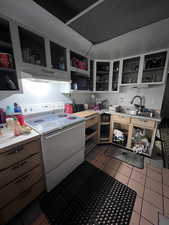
<point>143,123</point>
<point>121,119</point>
<point>11,191</point>
<point>19,153</point>
<point>19,168</point>
<point>91,122</point>
<point>21,201</point>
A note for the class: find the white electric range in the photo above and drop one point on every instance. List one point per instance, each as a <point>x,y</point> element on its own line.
<point>63,144</point>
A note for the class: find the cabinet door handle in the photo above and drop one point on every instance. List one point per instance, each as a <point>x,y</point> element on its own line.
<point>22,179</point>
<point>19,165</point>
<point>48,71</point>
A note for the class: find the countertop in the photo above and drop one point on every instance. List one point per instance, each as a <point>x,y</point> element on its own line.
<point>10,141</point>
<point>87,113</point>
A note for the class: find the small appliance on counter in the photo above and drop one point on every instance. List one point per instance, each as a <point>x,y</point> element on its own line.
<point>68,108</point>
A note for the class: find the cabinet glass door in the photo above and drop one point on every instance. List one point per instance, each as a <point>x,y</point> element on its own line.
<point>102,76</point>
<point>154,67</point>
<point>32,47</point>
<point>130,70</point>
<point>115,75</point>
<point>58,56</point>
<point>8,74</point>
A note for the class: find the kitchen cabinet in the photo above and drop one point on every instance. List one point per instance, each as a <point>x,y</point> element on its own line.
<point>153,68</point>
<point>149,68</point>
<point>32,47</point>
<point>9,71</point>
<point>22,179</point>
<point>105,129</point>
<point>92,128</point>
<point>102,75</point>
<point>115,75</point>
<point>131,129</point>
<point>130,70</point>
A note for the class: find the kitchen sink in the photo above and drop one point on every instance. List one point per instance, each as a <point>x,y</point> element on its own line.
<point>134,112</point>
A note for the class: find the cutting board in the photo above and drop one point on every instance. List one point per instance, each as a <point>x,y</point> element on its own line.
<point>85,113</point>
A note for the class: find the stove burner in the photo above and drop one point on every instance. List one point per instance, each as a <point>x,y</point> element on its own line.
<point>71,118</point>
<point>38,121</point>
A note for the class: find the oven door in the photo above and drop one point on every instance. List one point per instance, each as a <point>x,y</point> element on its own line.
<point>59,147</point>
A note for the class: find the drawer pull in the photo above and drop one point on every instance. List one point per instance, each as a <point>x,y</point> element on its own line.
<point>22,179</point>
<point>16,150</point>
<point>19,165</point>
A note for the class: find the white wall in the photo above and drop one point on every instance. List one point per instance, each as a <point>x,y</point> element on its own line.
<point>29,13</point>
<point>35,93</point>
<point>148,38</point>
<point>153,96</point>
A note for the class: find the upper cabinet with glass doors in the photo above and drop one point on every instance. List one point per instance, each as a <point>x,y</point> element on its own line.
<point>130,70</point>
<point>8,72</point>
<point>102,75</point>
<point>32,47</point>
<point>115,75</point>
<point>153,68</point>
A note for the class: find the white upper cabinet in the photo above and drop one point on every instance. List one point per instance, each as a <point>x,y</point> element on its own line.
<point>154,67</point>
<point>130,70</point>
<point>150,68</point>
<point>42,57</point>
<point>9,69</point>
<point>107,75</point>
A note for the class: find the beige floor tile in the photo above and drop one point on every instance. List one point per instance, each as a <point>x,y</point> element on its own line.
<point>97,164</point>
<point>153,198</point>
<point>166,191</point>
<point>110,171</point>
<point>156,169</point>
<point>137,176</point>
<point>125,170</point>
<point>142,171</point>
<point>150,213</point>
<point>125,164</point>
<point>139,188</point>
<point>135,218</point>
<point>166,176</point>
<point>113,164</point>
<point>154,175</point>
<point>138,204</point>
<point>123,179</point>
<point>166,206</point>
<point>154,185</point>
<point>143,221</point>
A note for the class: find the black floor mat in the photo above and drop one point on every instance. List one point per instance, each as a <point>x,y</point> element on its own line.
<point>88,196</point>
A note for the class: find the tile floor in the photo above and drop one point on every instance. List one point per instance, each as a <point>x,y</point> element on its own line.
<point>150,183</point>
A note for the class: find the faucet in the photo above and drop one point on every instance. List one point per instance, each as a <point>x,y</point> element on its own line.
<point>140,106</point>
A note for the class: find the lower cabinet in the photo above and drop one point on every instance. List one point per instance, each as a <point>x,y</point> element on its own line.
<point>136,134</point>
<point>22,178</point>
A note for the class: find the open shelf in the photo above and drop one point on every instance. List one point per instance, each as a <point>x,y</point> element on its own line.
<point>78,61</point>
<point>91,135</point>
<point>8,73</point>
<point>121,140</point>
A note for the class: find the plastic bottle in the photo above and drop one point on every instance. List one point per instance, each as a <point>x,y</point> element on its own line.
<point>17,128</point>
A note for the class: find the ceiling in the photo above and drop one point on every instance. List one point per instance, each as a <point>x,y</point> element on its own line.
<point>65,10</point>
<point>110,18</point>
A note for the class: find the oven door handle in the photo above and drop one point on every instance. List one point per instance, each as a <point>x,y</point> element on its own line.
<point>61,130</point>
